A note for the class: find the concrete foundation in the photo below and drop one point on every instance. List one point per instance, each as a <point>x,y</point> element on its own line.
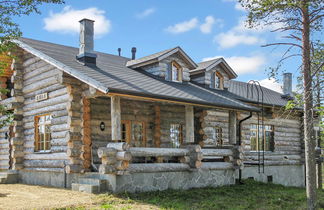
<point>142,182</point>
<point>287,175</point>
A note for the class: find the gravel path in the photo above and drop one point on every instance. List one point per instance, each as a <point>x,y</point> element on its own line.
<point>19,196</point>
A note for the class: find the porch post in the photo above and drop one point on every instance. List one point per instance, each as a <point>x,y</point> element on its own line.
<point>232,127</point>
<point>190,132</point>
<point>115,119</point>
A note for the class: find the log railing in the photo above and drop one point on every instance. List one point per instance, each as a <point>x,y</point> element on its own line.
<point>222,158</point>
<point>118,158</point>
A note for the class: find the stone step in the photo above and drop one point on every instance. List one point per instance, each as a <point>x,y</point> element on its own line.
<point>3,181</point>
<point>87,188</point>
<point>12,178</point>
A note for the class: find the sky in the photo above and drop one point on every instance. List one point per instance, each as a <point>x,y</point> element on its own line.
<point>203,29</point>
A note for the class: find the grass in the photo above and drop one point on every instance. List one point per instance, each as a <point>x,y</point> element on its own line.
<point>251,195</point>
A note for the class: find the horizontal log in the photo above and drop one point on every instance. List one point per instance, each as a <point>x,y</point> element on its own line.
<point>124,155</point>
<point>121,165</point>
<point>41,84</point>
<point>157,167</point>
<point>44,163</point>
<point>106,169</point>
<point>216,166</point>
<point>47,156</point>
<point>119,146</point>
<point>108,160</point>
<point>158,152</point>
<point>217,152</point>
<point>268,162</point>
<point>73,169</point>
<point>58,170</point>
<point>106,152</point>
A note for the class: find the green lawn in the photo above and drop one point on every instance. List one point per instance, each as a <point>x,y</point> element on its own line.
<point>251,195</point>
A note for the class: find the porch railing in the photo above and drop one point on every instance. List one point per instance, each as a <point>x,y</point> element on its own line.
<point>118,158</point>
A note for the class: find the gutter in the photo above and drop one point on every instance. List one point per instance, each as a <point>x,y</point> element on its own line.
<point>240,141</point>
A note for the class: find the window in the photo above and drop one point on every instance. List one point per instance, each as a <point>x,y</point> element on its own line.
<point>217,136</point>
<point>133,132</point>
<point>256,133</point>
<point>217,80</point>
<point>176,135</point>
<point>176,72</point>
<point>43,133</point>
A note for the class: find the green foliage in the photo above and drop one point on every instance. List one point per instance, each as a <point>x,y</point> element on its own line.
<point>9,30</point>
<point>250,195</point>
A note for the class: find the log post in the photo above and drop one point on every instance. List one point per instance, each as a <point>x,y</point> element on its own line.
<point>232,127</point>
<point>86,134</point>
<point>115,118</point>
<point>157,127</point>
<point>190,131</point>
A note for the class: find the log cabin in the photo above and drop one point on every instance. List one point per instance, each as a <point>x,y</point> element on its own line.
<point>96,122</point>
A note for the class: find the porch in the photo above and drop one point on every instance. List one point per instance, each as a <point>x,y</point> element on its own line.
<point>142,145</point>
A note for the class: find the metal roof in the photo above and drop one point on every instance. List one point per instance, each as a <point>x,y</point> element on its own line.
<point>111,75</point>
<point>208,65</point>
<point>270,97</point>
<point>160,56</point>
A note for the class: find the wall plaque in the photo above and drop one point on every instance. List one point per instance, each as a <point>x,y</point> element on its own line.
<point>41,97</point>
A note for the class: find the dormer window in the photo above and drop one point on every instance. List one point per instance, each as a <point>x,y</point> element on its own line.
<point>176,70</point>
<point>217,81</point>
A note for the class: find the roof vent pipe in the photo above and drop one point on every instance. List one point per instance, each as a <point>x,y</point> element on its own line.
<point>119,51</point>
<point>86,53</point>
<point>287,84</point>
<point>133,53</point>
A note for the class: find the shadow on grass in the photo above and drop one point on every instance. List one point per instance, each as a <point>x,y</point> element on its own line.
<point>250,195</point>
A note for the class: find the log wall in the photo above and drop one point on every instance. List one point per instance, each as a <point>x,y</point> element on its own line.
<point>210,119</point>
<point>40,77</point>
<point>134,111</point>
<point>288,140</point>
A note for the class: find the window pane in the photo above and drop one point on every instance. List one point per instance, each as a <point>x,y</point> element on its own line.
<point>175,133</point>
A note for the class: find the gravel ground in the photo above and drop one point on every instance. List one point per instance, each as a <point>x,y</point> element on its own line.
<point>19,196</point>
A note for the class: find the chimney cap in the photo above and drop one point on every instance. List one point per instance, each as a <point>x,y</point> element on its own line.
<point>85,19</point>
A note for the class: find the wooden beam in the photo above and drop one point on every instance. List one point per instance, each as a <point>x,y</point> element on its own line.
<point>190,130</point>
<point>115,118</point>
<point>232,131</point>
<point>86,149</point>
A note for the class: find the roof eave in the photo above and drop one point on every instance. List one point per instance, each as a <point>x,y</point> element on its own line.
<point>62,66</point>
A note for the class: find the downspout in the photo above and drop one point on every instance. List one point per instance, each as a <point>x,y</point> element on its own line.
<point>240,140</point>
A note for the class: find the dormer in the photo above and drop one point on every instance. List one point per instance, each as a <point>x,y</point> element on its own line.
<point>213,73</point>
<point>172,65</point>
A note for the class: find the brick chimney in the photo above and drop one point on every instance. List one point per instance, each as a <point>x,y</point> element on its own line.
<point>86,54</point>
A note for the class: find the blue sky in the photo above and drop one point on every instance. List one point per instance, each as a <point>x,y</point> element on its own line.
<point>204,29</point>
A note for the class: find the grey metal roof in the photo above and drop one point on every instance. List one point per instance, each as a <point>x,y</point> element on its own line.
<point>210,64</point>
<point>112,75</point>
<point>159,56</point>
<point>270,97</point>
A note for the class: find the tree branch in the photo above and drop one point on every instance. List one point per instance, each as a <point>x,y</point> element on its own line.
<point>281,43</point>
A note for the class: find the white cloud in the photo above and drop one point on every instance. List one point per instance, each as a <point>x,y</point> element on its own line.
<point>271,84</point>
<point>232,39</point>
<point>239,7</point>
<point>183,26</point>
<point>243,64</point>
<point>67,21</point>
<point>207,26</point>
<point>145,13</point>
